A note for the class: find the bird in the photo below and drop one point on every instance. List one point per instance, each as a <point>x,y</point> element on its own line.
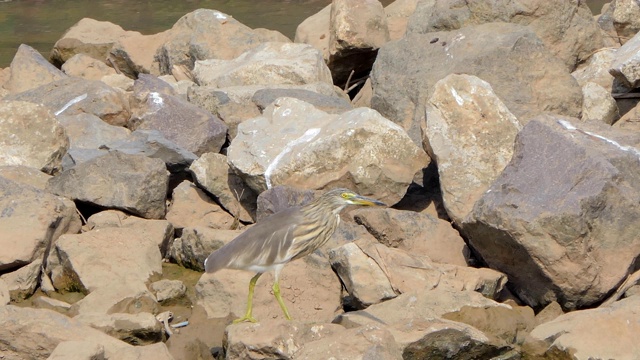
<point>283,237</point>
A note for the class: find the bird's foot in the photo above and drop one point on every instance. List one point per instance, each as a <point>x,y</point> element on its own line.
<point>248,318</point>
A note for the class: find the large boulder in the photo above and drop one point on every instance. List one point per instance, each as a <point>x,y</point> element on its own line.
<point>511,58</point>
<point>271,64</point>
<point>574,335</point>
<point>32,136</point>
<point>73,95</point>
<point>469,133</point>
<point>181,122</point>
<point>626,64</point>
<point>213,173</point>
<point>357,29</point>
<point>295,144</point>
<point>560,220</point>
<point>206,34</point>
<point>133,183</point>
<point>29,69</point>
<point>191,206</point>
<point>90,37</point>
<point>32,221</point>
<point>567,29</point>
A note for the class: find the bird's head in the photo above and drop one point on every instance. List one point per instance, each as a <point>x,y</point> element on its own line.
<point>343,197</point>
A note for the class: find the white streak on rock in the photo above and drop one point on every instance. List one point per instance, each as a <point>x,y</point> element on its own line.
<point>306,137</point>
<point>73,101</point>
<point>456,96</point>
<point>630,149</point>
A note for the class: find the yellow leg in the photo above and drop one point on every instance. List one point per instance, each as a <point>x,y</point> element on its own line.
<point>276,292</point>
<point>247,316</point>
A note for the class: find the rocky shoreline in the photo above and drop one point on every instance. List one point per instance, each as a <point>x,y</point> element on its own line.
<point>506,138</point>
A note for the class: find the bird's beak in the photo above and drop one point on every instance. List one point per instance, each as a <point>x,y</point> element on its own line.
<point>366,201</point>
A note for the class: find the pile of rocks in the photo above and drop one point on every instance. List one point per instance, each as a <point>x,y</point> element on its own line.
<point>506,137</point>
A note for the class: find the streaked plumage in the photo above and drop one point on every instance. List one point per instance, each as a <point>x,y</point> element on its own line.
<point>285,236</point>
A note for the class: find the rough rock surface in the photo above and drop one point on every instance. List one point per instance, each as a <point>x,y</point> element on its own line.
<point>196,243</point>
<point>309,288</point>
<point>187,125</point>
<point>213,173</point>
<point>560,220</point>
<point>469,133</point>
<point>521,71</point>
<point>359,149</point>
<point>31,222</point>
<point>358,28</point>
<point>268,64</point>
<point>29,69</point>
<point>36,139</point>
<point>603,333</point>
<point>191,207</point>
<point>142,183</point>
<point>626,65</point>
<point>73,95</point>
<point>567,29</point>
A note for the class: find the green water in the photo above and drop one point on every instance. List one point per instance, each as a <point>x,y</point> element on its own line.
<point>39,23</point>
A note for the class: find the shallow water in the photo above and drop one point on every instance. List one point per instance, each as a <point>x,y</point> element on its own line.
<point>40,23</point>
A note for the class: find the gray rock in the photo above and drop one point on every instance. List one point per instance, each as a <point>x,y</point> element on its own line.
<point>29,143</point>
<point>31,223</point>
<point>469,133</point>
<point>185,124</point>
<point>192,248</point>
<point>29,69</point>
<point>212,173</point>
<point>295,144</point>
<point>560,220</point>
<point>268,64</point>
<point>133,183</point>
<point>521,71</point>
<point>90,132</point>
<point>73,95</point>
<point>281,197</point>
<point>567,29</point>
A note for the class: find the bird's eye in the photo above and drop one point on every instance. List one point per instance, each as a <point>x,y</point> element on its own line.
<point>345,195</point>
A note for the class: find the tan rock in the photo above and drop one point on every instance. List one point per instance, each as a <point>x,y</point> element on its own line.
<point>625,16</point>
<point>32,223</point>
<point>295,144</point>
<point>598,104</point>
<point>309,288</point>
<point>117,297</point>
<point>88,36</point>
<point>416,233</point>
<point>398,13</point>
<point>29,144</point>
<point>575,335</point>
<point>268,64</point>
<point>118,81</point>
<point>358,28</point>
<point>469,133</point>
<point>135,54</point>
<point>29,69</point>
<point>78,349</point>
<point>25,175</point>
<point>5,297</point>
<point>168,292</point>
<point>314,31</point>
<point>136,329</point>
<point>45,302</point>
<point>87,67</point>
<point>35,333</point>
<point>22,283</point>
<point>191,207</point>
